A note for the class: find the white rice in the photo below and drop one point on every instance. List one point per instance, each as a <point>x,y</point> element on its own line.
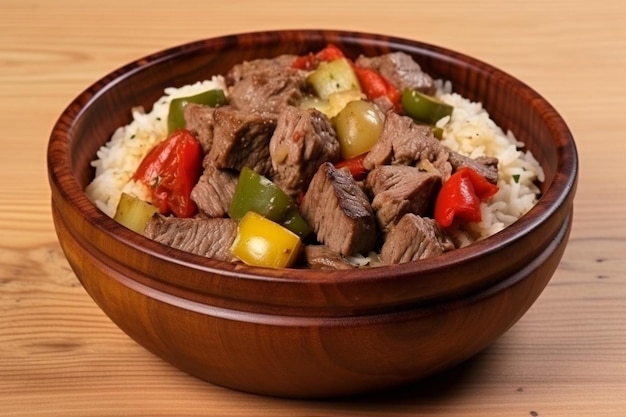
<point>469,131</point>
<point>119,158</point>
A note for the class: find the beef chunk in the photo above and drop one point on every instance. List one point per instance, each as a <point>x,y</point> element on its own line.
<point>207,237</point>
<point>413,238</point>
<point>339,211</point>
<point>214,191</point>
<point>265,85</point>
<point>199,121</point>
<point>484,165</point>
<point>240,139</point>
<point>322,257</point>
<point>303,139</point>
<point>402,142</point>
<point>401,70</point>
<point>240,71</point>
<point>400,189</point>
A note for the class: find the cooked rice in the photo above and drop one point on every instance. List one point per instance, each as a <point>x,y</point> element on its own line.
<point>469,131</point>
<point>119,158</point>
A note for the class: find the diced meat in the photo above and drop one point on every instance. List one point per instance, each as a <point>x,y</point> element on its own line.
<point>241,138</point>
<point>206,237</point>
<point>214,191</point>
<point>484,165</point>
<point>400,189</point>
<point>339,211</point>
<point>199,121</point>
<point>401,70</point>
<point>303,139</point>
<point>402,142</point>
<point>265,85</point>
<point>240,71</point>
<point>413,238</point>
<point>322,257</point>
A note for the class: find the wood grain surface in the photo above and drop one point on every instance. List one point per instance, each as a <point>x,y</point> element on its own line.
<point>61,356</point>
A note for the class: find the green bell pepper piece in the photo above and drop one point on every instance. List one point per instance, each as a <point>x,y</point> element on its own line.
<point>176,116</point>
<point>424,108</point>
<point>255,192</point>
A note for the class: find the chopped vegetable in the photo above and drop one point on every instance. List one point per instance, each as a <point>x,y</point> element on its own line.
<point>335,103</point>
<point>438,132</point>
<point>256,193</point>
<point>424,108</point>
<point>329,53</point>
<point>310,61</point>
<point>355,166</point>
<point>261,242</point>
<point>171,170</point>
<point>358,127</point>
<point>176,117</point>
<point>460,196</point>
<point>333,76</point>
<point>133,212</point>
<point>375,86</point>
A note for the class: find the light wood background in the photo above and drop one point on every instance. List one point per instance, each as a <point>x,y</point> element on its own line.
<point>61,356</point>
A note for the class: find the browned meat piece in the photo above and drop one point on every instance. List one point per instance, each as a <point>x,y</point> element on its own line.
<point>403,142</point>
<point>339,212</point>
<point>322,257</point>
<point>239,71</point>
<point>265,85</point>
<point>214,191</point>
<point>413,238</point>
<point>400,189</point>
<point>400,70</point>
<point>206,237</point>
<point>303,139</point>
<point>240,139</point>
<point>484,165</point>
<point>199,121</point>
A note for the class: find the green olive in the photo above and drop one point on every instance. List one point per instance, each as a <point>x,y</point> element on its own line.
<point>358,125</point>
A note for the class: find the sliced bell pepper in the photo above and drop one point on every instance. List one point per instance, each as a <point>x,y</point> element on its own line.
<point>176,115</point>
<point>133,212</point>
<point>261,242</point>
<point>310,61</point>
<point>355,166</point>
<point>254,192</point>
<point>329,53</point>
<point>333,76</point>
<point>424,108</point>
<point>374,85</point>
<point>460,196</point>
<point>170,170</point>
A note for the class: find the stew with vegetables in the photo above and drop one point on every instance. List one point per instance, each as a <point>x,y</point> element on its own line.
<point>349,155</point>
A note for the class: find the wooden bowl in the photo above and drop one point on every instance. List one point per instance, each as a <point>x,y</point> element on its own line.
<point>305,333</point>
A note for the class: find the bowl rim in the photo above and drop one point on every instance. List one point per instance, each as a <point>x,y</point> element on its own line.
<point>560,190</point>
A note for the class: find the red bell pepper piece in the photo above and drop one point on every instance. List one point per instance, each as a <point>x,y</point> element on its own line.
<point>310,61</point>
<point>329,53</point>
<point>460,197</point>
<point>374,85</point>
<point>355,166</point>
<point>171,170</point>
<point>306,62</point>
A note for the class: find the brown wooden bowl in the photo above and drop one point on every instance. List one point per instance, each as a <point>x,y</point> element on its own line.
<point>304,333</point>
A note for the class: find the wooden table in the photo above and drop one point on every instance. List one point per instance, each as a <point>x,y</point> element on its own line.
<point>60,355</point>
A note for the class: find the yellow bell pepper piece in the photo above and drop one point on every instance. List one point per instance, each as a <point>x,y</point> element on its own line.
<point>261,242</point>
<point>133,212</point>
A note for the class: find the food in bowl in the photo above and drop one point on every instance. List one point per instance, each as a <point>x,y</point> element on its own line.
<point>299,332</point>
<point>316,160</point>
